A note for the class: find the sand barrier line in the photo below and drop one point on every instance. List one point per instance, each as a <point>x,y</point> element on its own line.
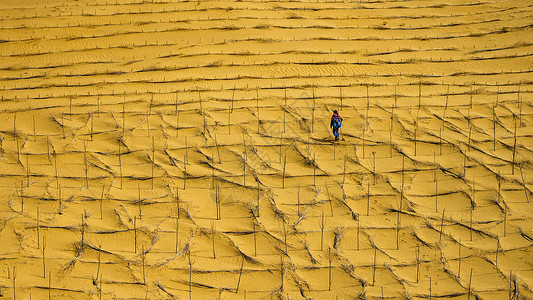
<point>264,64</point>
<point>274,122</point>
<point>134,4</point>
<point>133,45</point>
<point>228,53</point>
<point>260,64</point>
<point>78,96</point>
<point>167,20</point>
<point>429,166</point>
<point>239,233</point>
<point>317,3</point>
<point>245,8</point>
<point>161,115</point>
<point>390,172</point>
<point>99,231</point>
<point>293,139</point>
<point>245,100</point>
<point>281,233</point>
<point>173,21</point>
<point>82,178</point>
<point>104,25</point>
<point>373,144</point>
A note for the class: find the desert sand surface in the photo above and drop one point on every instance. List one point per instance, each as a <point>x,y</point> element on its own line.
<point>182,149</point>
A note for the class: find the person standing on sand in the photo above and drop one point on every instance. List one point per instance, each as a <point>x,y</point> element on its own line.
<point>336,123</point>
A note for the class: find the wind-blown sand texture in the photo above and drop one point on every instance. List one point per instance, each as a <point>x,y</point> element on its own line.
<point>168,149</point>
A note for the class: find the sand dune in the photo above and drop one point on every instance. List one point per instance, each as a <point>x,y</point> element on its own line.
<point>167,149</point>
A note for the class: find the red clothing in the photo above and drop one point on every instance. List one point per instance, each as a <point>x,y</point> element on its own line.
<point>335,115</point>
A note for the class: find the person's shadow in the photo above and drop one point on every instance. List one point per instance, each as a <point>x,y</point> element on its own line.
<point>328,139</point>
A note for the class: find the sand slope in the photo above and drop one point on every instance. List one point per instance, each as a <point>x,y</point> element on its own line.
<point>166,149</point>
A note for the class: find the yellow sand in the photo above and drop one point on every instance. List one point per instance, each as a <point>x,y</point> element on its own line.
<point>159,149</point>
